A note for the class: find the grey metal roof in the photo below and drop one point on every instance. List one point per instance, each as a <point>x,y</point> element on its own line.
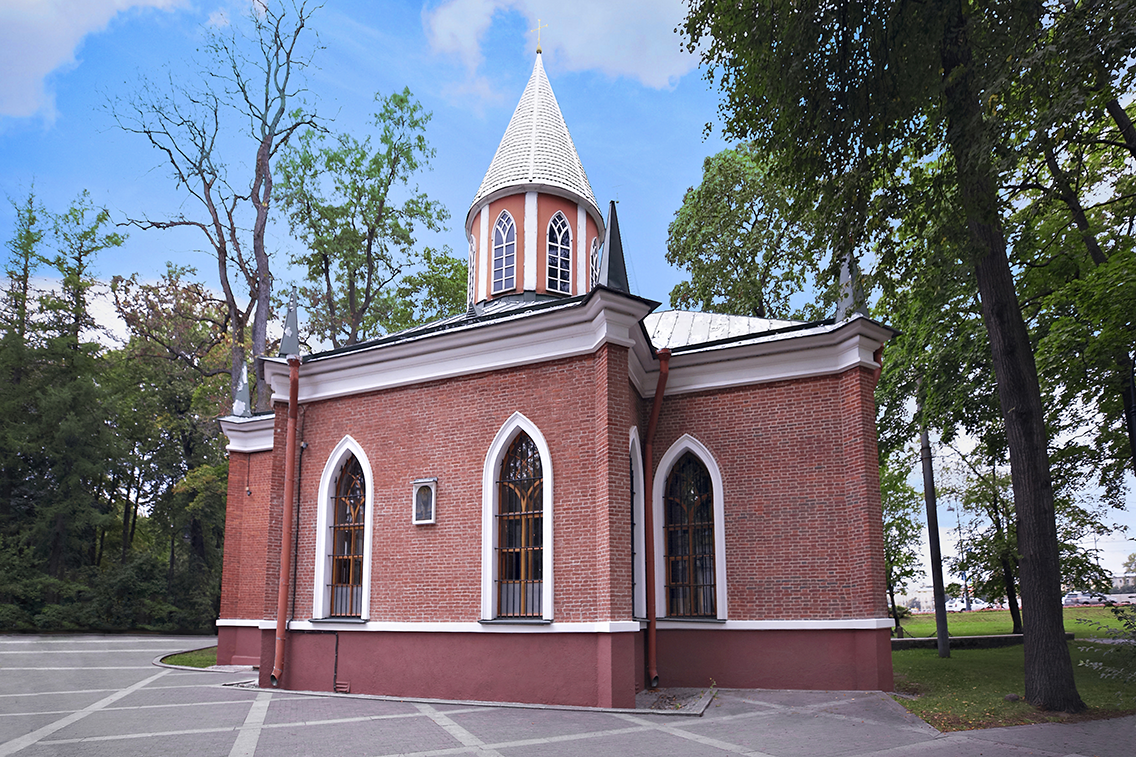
<point>674,329</point>
<point>537,148</point>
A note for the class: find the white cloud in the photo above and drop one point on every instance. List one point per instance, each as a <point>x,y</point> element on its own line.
<point>631,38</point>
<point>38,37</point>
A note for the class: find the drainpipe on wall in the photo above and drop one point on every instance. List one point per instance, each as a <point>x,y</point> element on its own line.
<point>286,526</point>
<point>649,518</point>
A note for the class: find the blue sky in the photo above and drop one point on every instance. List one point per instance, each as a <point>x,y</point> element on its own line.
<point>635,103</point>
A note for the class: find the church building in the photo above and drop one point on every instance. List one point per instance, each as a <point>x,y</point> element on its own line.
<point>561,496</point>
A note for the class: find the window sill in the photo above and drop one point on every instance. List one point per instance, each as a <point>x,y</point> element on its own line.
<point>681,619</point>
<point>358,621</point>
<point>515,622</point>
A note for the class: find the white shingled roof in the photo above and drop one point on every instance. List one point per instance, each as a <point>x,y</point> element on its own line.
<point>537,148</point>
<point>683,328</point>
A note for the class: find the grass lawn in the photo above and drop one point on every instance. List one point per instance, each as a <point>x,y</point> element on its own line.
<point>991,622</point>
<point>200,658</point>
<point>969,689</point>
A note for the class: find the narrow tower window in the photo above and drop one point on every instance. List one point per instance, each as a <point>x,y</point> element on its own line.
<point>347,541</point>
<point>559,254</point>
<point>520,531</point>
<point>504,253</point>
<point>688,508</point>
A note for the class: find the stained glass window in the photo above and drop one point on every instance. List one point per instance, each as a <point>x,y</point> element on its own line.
<point>520,531</point>
<point>688,531</point>
<point>347,541</point>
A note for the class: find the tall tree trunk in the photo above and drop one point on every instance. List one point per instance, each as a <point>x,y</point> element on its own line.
<point>1049,680</point>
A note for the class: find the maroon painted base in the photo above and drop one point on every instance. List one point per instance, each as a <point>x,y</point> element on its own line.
<point>596,670</point>
<point>238,645</point>
<point>834,660</point>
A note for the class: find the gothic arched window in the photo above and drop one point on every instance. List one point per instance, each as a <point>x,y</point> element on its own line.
<point>688,530</point>
<point>504,253</point>
<point>520,531</point>
<point>559,254</point>
<point>347,537</point>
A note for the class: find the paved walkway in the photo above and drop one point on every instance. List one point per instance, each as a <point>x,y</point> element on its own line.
<point>101,695</point>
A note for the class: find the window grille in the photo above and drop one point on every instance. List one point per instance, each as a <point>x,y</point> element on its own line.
<point>504,253</point>
<point>520,531</point>
<point>347,542</point>
<point>688,506</point>
<point>559,254</point>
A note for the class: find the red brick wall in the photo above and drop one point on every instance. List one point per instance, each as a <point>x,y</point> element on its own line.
<point>798,462</point>
<point>801,493</point>
<point>246,536</point>
<point>443,429</point>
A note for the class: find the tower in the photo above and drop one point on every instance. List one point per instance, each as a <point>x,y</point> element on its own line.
<point>534,227</point>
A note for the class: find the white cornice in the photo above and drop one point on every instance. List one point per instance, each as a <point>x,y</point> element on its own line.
<point>820,351</point>
<point>249,433</point>
<point>533,337</point>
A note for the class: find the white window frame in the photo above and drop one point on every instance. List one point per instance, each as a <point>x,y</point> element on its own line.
<point>490,473</point>
<point>321,600</point>
<point>415,486</point>
<point>563,250</point>
<point>687,443</point>
<point>494,287</point>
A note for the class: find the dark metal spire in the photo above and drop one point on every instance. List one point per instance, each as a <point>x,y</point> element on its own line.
<point>613,268</point>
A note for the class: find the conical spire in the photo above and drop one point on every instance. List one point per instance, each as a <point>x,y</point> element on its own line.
<point>537,151</point>
<point>613,268</point>
<point>851,299</point>
<point>290,342</point>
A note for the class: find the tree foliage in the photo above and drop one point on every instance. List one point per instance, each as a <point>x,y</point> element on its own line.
<point>92,441</point>
<point>351,202</point>
<point>745,243</point>
<point>851,101</point>
<point>903,530</point>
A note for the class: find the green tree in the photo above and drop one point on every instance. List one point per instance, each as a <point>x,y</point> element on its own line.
<point>846,98</point>
<point>745,243</point>
<point>1130,564</point>
<point>903,530</point>
<point>352,204</point>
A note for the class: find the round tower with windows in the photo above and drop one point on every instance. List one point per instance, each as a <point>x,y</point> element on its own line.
<point>534,227</point>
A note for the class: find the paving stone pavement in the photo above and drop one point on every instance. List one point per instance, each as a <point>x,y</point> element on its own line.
<point>87,696</point>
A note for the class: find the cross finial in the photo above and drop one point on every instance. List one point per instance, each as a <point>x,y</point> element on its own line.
<point>537,30</point>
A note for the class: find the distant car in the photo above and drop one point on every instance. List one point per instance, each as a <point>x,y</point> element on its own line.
<point>1080,598</point>
<point>959,605</point>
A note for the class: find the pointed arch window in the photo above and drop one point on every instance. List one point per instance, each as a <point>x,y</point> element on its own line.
<point>347,538</point>
<point>559,254</point>
<point>688,509</point>
<point>504,253</point>
<point>520,531</point>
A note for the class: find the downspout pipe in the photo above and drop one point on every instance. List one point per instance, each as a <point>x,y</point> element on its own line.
<point>286,526</point>
<point>664,356</point>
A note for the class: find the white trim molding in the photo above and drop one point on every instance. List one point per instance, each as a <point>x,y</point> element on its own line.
<point>687,443</point>
<point>530,251</point>
<point>505,436</point>
<point>574,328</point>
<point>484,255</point>
<point>602,626</point>
<point>324,519</point>
<point>846,624</point>
<point>580,284</point>
<point>638,537</point>
<point>249,433</point>
<point>244,623</point>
